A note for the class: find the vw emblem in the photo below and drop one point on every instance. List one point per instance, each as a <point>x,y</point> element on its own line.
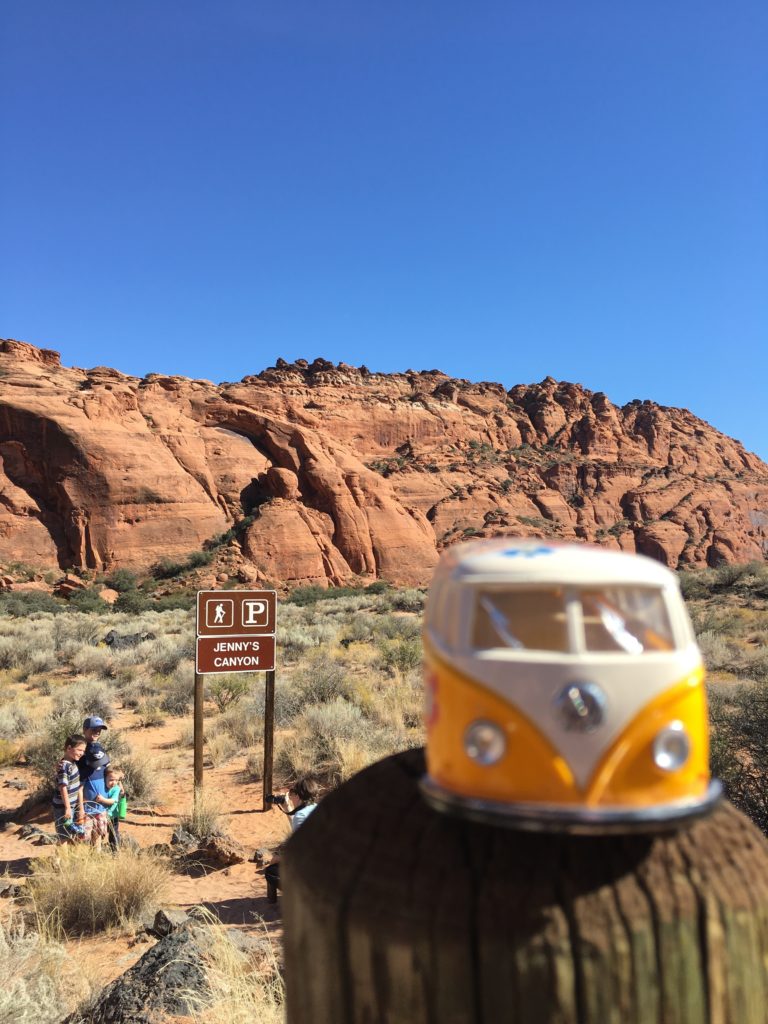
<point>581,707</point>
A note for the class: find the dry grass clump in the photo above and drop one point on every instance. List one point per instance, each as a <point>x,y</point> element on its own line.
<point>204,817</point>
<point>39,981</point>
<point>140,778</point>
<point>739,744</point>
<point>334,741</point>
<point>242,988</point>
<point>79,892</point>
<point>177,692</point>
<point>150,713</point>
<point>15,720</point>
<point>85,697</point>
<point>166,653</point>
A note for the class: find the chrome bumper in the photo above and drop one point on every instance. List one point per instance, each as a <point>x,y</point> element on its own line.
<point>571,818</point>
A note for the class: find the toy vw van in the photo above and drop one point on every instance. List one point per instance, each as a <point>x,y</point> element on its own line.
<point>564,690</point>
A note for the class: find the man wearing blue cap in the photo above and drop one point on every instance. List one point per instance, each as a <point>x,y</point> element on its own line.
<point>92,766</point>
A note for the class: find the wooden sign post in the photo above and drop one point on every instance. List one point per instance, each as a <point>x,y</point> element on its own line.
<point>236,633</point>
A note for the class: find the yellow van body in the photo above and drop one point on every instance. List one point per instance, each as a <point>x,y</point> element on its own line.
<point>564,690</point>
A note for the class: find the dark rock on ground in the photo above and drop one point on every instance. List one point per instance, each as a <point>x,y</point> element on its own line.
<point>158,985</point>
<point>37,836</point>
<point>11,890</point>
<point>167,920</point>
<point>183,838</point>
<point>16,784</point>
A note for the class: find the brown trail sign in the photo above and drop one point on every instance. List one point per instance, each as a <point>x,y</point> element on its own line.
<point>236,633</point>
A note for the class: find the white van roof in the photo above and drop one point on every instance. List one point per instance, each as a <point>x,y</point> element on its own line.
<point>519,560</point>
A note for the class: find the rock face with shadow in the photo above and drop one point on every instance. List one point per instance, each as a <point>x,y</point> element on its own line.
<point>331,474</point>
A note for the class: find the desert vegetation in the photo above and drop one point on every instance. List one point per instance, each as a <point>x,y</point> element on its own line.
<point>348,693</point>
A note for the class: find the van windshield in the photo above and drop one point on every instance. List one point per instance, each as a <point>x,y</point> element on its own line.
<point>632,620</point>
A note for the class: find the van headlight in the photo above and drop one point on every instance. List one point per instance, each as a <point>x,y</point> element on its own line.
<point>671,748</point>
<point>485,742</point>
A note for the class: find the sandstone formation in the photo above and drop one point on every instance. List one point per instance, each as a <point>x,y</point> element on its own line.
<point>333,474</point>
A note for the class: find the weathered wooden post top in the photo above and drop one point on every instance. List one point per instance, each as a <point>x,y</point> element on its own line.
<point>557,855</point>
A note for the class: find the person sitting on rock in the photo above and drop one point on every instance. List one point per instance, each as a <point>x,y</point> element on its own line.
<point>298,804</point>
<point>68,795</point>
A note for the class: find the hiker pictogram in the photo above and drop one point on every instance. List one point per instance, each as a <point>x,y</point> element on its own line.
<point>219,613</point>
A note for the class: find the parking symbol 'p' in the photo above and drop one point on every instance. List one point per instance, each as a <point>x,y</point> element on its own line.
<point>255,613</point>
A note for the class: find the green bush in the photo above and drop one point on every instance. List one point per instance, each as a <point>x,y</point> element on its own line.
<point>133,602</point>
<point>228,689</point>
<point>739,745</point>
<point>122,580</point>
<point>183,599</point>
<point>21,603</point>
<point>87,601</point>
<point>400,655</point>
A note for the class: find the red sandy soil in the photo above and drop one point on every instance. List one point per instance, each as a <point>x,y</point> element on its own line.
<point>236,895</point>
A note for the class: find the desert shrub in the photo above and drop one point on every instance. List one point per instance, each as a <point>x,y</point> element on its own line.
<point>115,743</point>
<point>694,585</point>
<point>244,723</point>
<point>15,721</point>
<point>397,627</point>
<point>203,818</point>
<point>739,750</point>
<point>39,661</point>
<point>87,601</point>
<point>46,747</point>
<point>306,595</point>
<point>221,746</point>
<point>150,714</point>
<point>333,741</point>
<point>182,599</point>
<point>10,752</point>
<point>133,602</point>
<point>295,641</point>
<point>136,691</point>
<point>717,652</point>
<point>86,697</point>
<point>410,600</point>
<point>14,652</point>
<point>320,680</point>
<point>77,893</point>
<point>241,987</point>
<point>399,655</point>
<point>90,660</point>
<point>21,603</point>
<point>361,630</point>
<point>254,764</point>
<point>122,580</point>
<point>228,690</point>
<point>39,981</point>
<point>178,694</point>
<point>166,654</point>
<point>140,779</point>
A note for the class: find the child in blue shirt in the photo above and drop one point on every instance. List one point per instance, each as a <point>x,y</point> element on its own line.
<point>113,780</point>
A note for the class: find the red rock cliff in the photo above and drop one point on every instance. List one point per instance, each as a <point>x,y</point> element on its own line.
<point>343,473</point>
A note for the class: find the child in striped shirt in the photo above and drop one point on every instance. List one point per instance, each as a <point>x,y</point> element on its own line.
<point>67,800</point>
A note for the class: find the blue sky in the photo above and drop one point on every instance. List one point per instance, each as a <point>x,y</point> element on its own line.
<point>503,191</point>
